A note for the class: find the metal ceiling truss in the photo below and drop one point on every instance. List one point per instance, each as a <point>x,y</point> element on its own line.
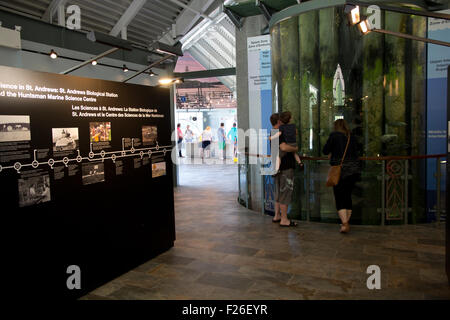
<point>144,22</point>
<point>191,9</point>
<point>51,9</point>
<point>186,20</point>
<point>127,17</point>
<point>237,21</point>
<point>204,58</point>
<point>264,10</point>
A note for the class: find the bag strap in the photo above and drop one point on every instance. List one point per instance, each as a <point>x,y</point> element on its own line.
<point>345,152</point>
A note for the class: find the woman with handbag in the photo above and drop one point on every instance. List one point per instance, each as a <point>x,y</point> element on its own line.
<point>345,169</point>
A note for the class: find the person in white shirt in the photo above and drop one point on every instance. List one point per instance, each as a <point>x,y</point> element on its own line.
<point>188,134</point>
<point>206,142</point>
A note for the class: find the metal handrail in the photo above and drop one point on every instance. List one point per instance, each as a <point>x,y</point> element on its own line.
<point>416,157</point>
<point>384,178</point>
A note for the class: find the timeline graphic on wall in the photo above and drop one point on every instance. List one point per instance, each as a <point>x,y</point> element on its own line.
<point>49,122</point>
<point>85,177</point>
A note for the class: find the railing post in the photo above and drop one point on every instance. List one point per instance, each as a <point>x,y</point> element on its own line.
<point>247,182</point>
<point>406,191</point>
<point>308,203</point>
<point>383,191</point>
<point>239,177</point>
<point>263,187</point>
<point>438,190</point>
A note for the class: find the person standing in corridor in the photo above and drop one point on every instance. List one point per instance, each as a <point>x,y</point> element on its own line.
<point>284,179</point>
<point>232,135</point>
<point>180,139</point>
<point>189,134</point>
<point>221,139</point>
<point>350,172</point>
<point>206,142</point>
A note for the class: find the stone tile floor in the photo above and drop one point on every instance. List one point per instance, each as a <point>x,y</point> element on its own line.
<point>224,251</point>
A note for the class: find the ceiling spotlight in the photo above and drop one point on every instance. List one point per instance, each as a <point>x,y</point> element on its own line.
<point>165,81</point>
<point>53,54</point>
<point>152,74</point>
<point>94,62</point>
<point>353,14</point>
<point>364,27</point>
<point>125,69</point>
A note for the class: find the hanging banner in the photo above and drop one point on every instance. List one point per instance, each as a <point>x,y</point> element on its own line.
<point>260,98</point>
<point>259,82</point>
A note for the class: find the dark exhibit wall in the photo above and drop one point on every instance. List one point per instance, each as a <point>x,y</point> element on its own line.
<point>85,179</point>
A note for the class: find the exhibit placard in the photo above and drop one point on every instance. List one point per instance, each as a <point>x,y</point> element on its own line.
<point>259,82</point>
<point>260,100</point>
<point>78,178</point>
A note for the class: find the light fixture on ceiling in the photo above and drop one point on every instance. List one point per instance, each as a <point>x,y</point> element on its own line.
<point>168,81</point>
<point>125,68</point>
<point>53,54</point>
<point>165,81</point>
<point>354,16</point>
<point>152,74</point>
<point>94,62</point>
<point>364,27</point>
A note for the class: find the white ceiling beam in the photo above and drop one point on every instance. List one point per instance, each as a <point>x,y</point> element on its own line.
<point>216,52</point>
<point>49,12</point>
<point>127,17</point>
<point>187,19</point>
<point>226,52</point>
<point>190,8</point>
<point>223,29</point>
<point>204,58</point>
<point>215,61</point>
<point>230,43</point>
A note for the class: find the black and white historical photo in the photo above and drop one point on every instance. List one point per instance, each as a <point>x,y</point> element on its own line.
<point>65,139</point>
<point>14,128</point>
<point>34,190</point>
<point>93,173</point>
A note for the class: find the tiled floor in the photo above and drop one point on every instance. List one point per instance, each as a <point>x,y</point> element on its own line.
<point>224,251</point>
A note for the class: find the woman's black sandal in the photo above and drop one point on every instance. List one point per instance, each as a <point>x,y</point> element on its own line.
<point>291,224</point>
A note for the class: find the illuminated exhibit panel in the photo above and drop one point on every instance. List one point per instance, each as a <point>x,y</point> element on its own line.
<point>84,175</point>
<point>324,70</point>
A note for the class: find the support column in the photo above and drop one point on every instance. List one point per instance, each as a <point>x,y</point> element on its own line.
<point>252,27</point>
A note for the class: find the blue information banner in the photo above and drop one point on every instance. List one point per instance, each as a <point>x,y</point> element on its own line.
<point>438,61</point>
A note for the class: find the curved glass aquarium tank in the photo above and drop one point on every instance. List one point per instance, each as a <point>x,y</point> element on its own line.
<point>324,69</point>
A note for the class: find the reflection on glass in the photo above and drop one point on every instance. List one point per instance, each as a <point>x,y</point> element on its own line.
<point>338,87</point>
<point>313,91</point>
